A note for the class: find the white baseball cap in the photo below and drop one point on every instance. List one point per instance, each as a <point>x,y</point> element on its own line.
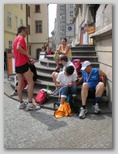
<point>85,64</point>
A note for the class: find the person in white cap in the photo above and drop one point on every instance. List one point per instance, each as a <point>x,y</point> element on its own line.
<point>92,87</point>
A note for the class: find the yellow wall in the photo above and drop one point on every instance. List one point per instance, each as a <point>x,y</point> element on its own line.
<point>10,31</point>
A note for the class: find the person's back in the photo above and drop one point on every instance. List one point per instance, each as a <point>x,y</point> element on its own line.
<point>20,59</point>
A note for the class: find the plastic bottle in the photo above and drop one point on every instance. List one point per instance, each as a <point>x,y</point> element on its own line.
<point>47,63</point>
<point>48,87</point>
<point>56,56</point>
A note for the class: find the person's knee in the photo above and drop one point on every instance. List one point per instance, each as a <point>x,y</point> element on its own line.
<point>85,86</point>
<point>100,85</point>
<point>53,74</point>
<point>64,90</point>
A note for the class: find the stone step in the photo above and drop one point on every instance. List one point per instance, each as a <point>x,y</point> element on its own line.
<point>84,53</point>
<point>52,64</point>
<point>90,58</point>
<point>49,104</point>
<point>83,48</point>
<point>77,53</point>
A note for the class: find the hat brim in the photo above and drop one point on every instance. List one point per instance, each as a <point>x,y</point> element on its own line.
<point>83,68</point>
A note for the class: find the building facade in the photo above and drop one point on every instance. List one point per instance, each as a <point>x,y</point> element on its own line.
<point>64,28</point>
<point>103,43</point>
<point>37,21</point>
<point>94,21</point>
<point>14,16</point>
<point>34,17</point>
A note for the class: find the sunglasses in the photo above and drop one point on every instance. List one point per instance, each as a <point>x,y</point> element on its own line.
<point>25,30</point>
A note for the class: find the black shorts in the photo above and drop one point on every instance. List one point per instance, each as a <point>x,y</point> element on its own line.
<point>91,93</point>
<point>22,69</point>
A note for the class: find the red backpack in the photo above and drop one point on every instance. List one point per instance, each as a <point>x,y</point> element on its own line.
<point>77,64</point>
<point>41,97</point>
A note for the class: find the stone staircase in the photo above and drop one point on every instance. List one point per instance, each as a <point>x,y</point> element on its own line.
<point>46,66</point>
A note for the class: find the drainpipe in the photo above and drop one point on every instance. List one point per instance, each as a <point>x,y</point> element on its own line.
<point>27,25</point>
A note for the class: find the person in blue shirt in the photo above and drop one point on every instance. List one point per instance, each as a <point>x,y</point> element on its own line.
<point>92,86</point>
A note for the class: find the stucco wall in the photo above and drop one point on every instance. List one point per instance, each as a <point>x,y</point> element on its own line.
<point>103,44</point>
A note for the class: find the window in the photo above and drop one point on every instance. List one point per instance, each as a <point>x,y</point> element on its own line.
<point>10,44</point>
<point>21,22</point>
<point>71,5</point>
<point>28,29</point>
<point>28,10</point>
<point>71,13</point>
<point>70,21</point>
<point>62,24</point>
<point>16,22</point>
<point>62,7</point>
<point>37,8</point>
<point>9,19</point>
<point>21,6</point>
<point>62,15</point>
<point>62,32</point>
<point>38,25</point>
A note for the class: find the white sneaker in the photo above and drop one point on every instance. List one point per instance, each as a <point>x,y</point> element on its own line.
<point>83,112</point>
<point>30,106</point>
<point>14,93</point>
<point>96,108</point>
<point>22,105</point>
<point>26,87</point>
<point>36,106</point>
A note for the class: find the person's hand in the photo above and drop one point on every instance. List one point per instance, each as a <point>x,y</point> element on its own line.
<point>28,56</point>
<point>69,84</point>
<point>32,61</point>
<point>104,88</point>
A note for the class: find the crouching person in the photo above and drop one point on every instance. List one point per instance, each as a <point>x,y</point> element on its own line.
<point>91,86</point>
<point>66,82</point>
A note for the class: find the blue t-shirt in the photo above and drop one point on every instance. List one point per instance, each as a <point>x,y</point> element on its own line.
<point>92,78</point>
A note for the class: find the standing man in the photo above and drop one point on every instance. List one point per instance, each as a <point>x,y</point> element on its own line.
<point>91,87</point>
<point>22,67</point>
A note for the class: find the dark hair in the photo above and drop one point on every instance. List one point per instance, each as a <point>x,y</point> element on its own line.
<point>64,58</point>
<point>69,70</point>
<point>65,39</point>
<point>20,29</point>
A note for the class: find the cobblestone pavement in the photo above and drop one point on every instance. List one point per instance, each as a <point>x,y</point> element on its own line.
<point>39,129</point>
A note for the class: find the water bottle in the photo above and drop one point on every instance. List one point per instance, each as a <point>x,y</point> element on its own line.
<point>48,87</point>
<point>47,63</point>
<point>57,55</point>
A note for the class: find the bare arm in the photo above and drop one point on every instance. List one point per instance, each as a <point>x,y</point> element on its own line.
<point>80,80</point>
<point>21,50</point>
<point>58,49</point>
<point>103,75</point>
<point>65,84</point>
<point>66,50</point>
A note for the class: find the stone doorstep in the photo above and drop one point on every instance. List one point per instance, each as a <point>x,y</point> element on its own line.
<point>50,104</point>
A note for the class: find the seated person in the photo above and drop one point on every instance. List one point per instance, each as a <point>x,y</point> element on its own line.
<point>63,49</point>
<point>91,85</point>
<point>65,62</point>
<point>49,52</point>
<point>66,82</point>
